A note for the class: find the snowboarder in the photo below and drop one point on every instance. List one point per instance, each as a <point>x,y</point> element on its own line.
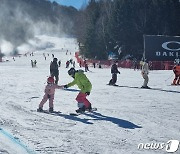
<point>176,70</point>
<point>54,70</point>
<point>85,87</point>
<point>144,73</point>
<point>49,94</point>
<point>114,72</point>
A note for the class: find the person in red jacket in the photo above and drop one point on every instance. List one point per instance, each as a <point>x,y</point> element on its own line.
<point>176,70</point>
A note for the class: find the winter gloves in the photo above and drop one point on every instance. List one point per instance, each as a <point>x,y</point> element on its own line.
<point>87,93</point>
<point>66,86</point>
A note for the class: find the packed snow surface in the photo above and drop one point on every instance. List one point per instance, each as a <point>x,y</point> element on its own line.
<point>126,115</point>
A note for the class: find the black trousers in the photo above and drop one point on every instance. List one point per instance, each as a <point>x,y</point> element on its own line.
<point>114,79</point>
<point>56,75</point>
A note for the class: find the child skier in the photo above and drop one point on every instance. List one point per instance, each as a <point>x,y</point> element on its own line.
<point>176,70</point>
<point>49,94</point>
<point>84,85</point>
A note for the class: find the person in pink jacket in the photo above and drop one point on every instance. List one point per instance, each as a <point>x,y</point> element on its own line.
<point>49,94</point>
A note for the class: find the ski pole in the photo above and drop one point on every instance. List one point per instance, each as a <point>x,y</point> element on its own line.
<point>169,78</point>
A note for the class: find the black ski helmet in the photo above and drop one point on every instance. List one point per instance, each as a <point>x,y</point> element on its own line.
<point>72,71</point>
<point>55,59</point>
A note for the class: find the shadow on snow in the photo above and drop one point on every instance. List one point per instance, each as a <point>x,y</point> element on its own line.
<point>159,89</point>
<point>98,116</point>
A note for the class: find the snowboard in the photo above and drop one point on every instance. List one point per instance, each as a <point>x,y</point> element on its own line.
<point>174,85</point>
<point>112,85</point>
<point>77,114</point>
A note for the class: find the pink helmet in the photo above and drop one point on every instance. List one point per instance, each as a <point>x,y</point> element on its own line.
<point>50,80</point>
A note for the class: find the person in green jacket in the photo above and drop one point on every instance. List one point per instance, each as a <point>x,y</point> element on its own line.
<point>85,87</point>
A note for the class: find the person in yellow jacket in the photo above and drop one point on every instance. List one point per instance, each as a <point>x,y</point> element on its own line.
<point>85,87</point>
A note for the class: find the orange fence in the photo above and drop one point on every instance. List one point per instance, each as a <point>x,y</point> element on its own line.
<point>153,65</point>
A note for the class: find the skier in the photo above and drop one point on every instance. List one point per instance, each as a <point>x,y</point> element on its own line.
<point>59,63</point>
<point>176,70</point>
<point>80,64</point>
<point>32,63</point>
<point>114,71</point>
<point>49,94</point>
<point>85,87</point>
<point>135,64</point>
<point>67,64</point>
<point>71,60</point>
<point>144,73</point>
<point>94,64</point>
<point>35,62</point>
<point>54,70</point>
<point>100,64</point>
<point>74,64</point>
<point>86,66</point>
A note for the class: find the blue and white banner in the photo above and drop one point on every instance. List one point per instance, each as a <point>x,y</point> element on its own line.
<point>161,48</point>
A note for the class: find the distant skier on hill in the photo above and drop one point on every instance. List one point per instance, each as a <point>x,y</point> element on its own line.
<point>84,85</point>
<point>35,62</point>
<point>67,64</point>
<point>32,63</point>
<point>49,94</point>
<point>59,63</point>
<point>114,72</point>
<point>54,70</point>
<point>144,73</point>
<point>86,66</point>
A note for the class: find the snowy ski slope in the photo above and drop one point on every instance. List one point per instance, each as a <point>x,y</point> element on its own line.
<point>126,115</point>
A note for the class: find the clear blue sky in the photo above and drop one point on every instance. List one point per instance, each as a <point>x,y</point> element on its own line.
<point>75,3</point>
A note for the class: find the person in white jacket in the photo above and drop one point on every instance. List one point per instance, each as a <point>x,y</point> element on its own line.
<point>145,72</point>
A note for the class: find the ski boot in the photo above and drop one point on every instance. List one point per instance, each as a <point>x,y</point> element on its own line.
<point>145,87</point>
<point>51,109</point>
<point>81,110</point>
<point>89,109</point>
<point>40,109</point>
